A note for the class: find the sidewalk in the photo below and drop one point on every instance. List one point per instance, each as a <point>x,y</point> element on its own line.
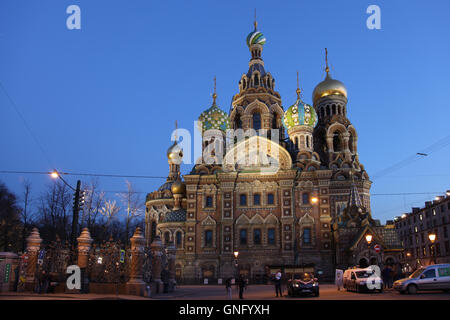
<point>179,293</point>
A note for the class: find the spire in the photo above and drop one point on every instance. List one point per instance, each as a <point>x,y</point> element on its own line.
<point>256,22</point>
<point>327,69</point>
<point>176,128</point>
<point>354,198</point>
<point>298,89</point>
<point>214,94</point>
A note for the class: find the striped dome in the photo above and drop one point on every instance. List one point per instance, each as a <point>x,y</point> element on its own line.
<point>214,118</point>
<point>299,114</point>
<point>255,37</point>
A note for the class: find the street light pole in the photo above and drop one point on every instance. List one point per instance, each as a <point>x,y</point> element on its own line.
<point>432,237</point>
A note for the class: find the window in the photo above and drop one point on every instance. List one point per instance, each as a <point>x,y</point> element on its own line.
<point>444,272</point>
<point>271,236</point>
<point>243,199</point>
<point>307,236</point>
<point>256,121</point>
<point>305,198</point>
<point>166,237</point>
<point>270,198</point>
<point>256,199</point>
<point>178,239</point>
<point>257,236</point>
<point>429,274</point>
<point>209,202</point>
<point>208,238</point>
<point>243,236</point>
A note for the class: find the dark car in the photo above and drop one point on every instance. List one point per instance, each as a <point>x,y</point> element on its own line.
<point>303,283</point>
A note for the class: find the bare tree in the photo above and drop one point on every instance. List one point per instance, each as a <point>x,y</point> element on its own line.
<point>55,207</point>
<point>109,211</point>
<point>26,213</point>
<point>131,200</point>
<point>93,203</point>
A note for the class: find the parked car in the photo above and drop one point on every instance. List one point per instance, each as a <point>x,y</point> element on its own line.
<point>433,277</point>
<point>362,280</point>
<point>303,283</point>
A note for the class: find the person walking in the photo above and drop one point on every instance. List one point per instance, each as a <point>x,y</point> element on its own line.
<point>278,283</point>
<point>228,288</point>
<point>241,283</point>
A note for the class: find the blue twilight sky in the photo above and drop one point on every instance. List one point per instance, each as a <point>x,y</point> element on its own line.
<point>104,99</point>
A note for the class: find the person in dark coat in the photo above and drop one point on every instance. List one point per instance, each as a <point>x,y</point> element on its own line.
<point>241,283</point>
<point>228,288</point>
<point>277,281</point>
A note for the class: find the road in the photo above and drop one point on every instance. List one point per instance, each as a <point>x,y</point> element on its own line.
<point>254,292</point>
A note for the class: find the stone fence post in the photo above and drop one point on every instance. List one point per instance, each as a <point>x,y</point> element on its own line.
<point>156,248</point>
<point>171,250</point>
<point>136,284</point>
<point>33,245</point>
<point>84,246</point>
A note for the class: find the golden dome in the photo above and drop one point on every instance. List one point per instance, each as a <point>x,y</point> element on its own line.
<point>329,87</point>
<point>175,153</point>
<point>178,187</point>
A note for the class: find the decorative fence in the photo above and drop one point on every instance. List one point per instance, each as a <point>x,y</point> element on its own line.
<point>108,267</point>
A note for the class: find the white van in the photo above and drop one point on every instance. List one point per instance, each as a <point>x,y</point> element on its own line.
<point>433,277</point>
<point>362,279</point>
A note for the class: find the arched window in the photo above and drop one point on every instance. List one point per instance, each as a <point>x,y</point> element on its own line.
<point>257,236</point>
<point>307,236</point>
<point>243,236</point>
<point>209,202</point>
<point>256,121</point>
<point>178,239</point>
<point>238,122</point>
<point>166,237</point>
<point>153,230</point>
<point>305,198</point>
<point>208,238</point>
<point>271,236</point>
<point>334,109</point>
<point>336,142</point>
<point>351,143</point>
<point>307,141</point>
<point>270,198</point>
<point>322,112</point>
<point>328,110</point>
<point>243,199</point>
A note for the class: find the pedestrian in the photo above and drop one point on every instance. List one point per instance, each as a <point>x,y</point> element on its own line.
<point>339,279</point>
<point>43,282</point>
<point>278,283</point>
<point>241,283</point>
<point>228,288</point>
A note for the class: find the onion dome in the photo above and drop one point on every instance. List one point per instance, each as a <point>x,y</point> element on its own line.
<point>299,114</point>
<point>329,86</point>
<point>178,187</point>
<point>214,117</point>
<point>175,153</point>
<point>255,37</point>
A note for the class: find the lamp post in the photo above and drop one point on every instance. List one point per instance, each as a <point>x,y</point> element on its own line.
<point>432,237</point>
<point>76,206</point>
<point>236,254</point>
<point>369,238</point>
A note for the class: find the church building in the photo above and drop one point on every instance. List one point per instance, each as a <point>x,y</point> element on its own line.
<point>235,214</point>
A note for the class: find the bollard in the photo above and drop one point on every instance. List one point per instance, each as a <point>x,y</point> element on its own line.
<point>33,245</point>
<point>171,250</point>
<point>156,248</point>
<point>136,284</point>
<point>84,246</point>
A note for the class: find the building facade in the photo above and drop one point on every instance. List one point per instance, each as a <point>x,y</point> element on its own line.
<point>276,199</point>
<point>415,227</point>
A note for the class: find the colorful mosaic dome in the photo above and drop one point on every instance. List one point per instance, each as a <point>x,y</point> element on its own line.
<point>214,118</point>
<point>299,114</point>
<point>255,37</point>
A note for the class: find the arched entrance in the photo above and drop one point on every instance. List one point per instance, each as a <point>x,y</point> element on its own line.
<point>363,263</point>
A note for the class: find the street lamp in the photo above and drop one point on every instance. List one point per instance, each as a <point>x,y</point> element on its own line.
<point>432,237</point>
<point>369,238</point>
<point>314,200</point>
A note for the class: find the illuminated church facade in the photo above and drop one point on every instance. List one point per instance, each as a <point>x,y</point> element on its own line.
<point>313,210</point>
